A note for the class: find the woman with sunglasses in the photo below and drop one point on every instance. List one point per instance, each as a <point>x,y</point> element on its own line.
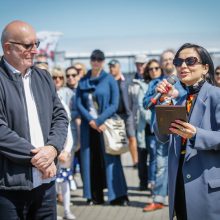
<point>97,100</point>
<point>217,76</point>
<point>64,176</point>
<point>194,150</point>
<point>145,135</point>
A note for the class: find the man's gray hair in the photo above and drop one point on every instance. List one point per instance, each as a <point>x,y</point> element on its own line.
<point>166,51</point>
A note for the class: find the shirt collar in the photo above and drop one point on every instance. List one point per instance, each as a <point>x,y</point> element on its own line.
<point>14,70</point>
<point>122,77</point>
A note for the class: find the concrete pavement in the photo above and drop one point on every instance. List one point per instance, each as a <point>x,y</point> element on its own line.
<point>138,200</point>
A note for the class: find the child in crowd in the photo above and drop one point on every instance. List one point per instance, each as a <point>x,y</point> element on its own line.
<point>65,174</point>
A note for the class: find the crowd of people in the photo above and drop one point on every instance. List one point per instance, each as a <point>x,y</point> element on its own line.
<point>52,120</point>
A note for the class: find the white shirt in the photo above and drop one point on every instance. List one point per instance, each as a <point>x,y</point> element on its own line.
<point>36,134</point>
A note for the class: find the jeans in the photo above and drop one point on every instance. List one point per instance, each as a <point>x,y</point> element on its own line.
<point>161,185</point>
<point>151,143</point>
<point>39,203</point>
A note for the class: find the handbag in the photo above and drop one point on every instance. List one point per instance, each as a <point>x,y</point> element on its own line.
<point>115,137</point>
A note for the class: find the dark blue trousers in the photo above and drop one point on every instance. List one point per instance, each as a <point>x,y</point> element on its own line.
<point>37,204</point>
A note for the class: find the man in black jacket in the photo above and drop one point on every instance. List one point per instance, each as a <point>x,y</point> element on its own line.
<point>33,129</point>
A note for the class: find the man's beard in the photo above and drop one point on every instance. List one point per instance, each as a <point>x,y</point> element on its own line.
<point>169,70</point>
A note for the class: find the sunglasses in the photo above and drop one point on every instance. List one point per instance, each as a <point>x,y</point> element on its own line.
<point>93,59</point>
<point>189,61</point>
<point>217,73</point>
<point>154,68</point>
<point>71,75</point>
<point>27,46</point>
<point>40,62</point>
<point>78,69</point>
<point>58,77</point>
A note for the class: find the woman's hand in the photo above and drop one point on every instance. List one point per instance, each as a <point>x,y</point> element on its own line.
<point>78,121</point>
<point>168,90</point>
<point>101,128</point>
<point>64,156</point>
<point>93,124</point>
<point>183,129</point>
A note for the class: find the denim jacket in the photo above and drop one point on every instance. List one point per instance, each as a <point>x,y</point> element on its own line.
<point>151,91</point>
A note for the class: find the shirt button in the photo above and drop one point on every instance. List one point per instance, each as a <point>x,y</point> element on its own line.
<point>188,176</point>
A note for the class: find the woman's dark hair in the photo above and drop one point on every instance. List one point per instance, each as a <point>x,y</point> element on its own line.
<point>69,68</point>
<point>215,82</point>
<point>204,56</point>
<point>146,74</point>
<point>217,68</point>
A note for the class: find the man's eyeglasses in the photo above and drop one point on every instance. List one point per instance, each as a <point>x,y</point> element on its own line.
<point>27,46</point>
<point>189,61</point>
<point>153,68</point>
<point>73,75</point>
<point>217,73</point>
<point>58,77</point>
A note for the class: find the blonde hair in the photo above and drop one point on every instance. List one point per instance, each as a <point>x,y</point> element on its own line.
<point>58,71</point>
<point>83,66</point>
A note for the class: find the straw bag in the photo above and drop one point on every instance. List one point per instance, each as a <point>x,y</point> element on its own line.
<point>115,137</point>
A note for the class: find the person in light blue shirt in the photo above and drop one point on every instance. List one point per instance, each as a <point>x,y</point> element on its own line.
<point>161,184</point>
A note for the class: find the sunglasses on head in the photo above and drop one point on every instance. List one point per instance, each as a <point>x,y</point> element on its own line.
<point>154,68</point>
<point>71,75</point>
<point>58,77</point>
<point>189,61</point>
<point>27,46</point>
<point>217,73</point>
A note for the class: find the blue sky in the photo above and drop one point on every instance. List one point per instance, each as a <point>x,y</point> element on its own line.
<point>120,25</point>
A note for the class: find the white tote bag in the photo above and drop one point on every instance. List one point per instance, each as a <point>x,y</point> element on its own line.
<point>115,137</point>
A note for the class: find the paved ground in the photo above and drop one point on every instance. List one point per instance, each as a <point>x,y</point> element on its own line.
<point>106,212</point>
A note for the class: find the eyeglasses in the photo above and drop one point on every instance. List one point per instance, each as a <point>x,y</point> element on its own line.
<point>78,69</point>
<point>58,77</point>
<point>73,75</point>
<point>153,68</point>
<point>27,46</point>
<point>217,73</point>
<point>189,61</point>
<point>40,62</point>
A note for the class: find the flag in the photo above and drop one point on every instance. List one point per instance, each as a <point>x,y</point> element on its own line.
<point>48,43</point>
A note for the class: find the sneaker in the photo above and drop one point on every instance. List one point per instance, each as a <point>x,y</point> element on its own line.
<point>69,216</point>
<point>73,185</point>
<point>153,207</point>
<point>94,202</point>
<point>121,201</point>
<point>166,201</point>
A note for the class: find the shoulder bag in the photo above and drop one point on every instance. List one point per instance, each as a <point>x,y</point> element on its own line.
<point>115,137</point>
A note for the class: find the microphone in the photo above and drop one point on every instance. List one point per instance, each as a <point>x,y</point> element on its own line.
<point>172,80</point>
